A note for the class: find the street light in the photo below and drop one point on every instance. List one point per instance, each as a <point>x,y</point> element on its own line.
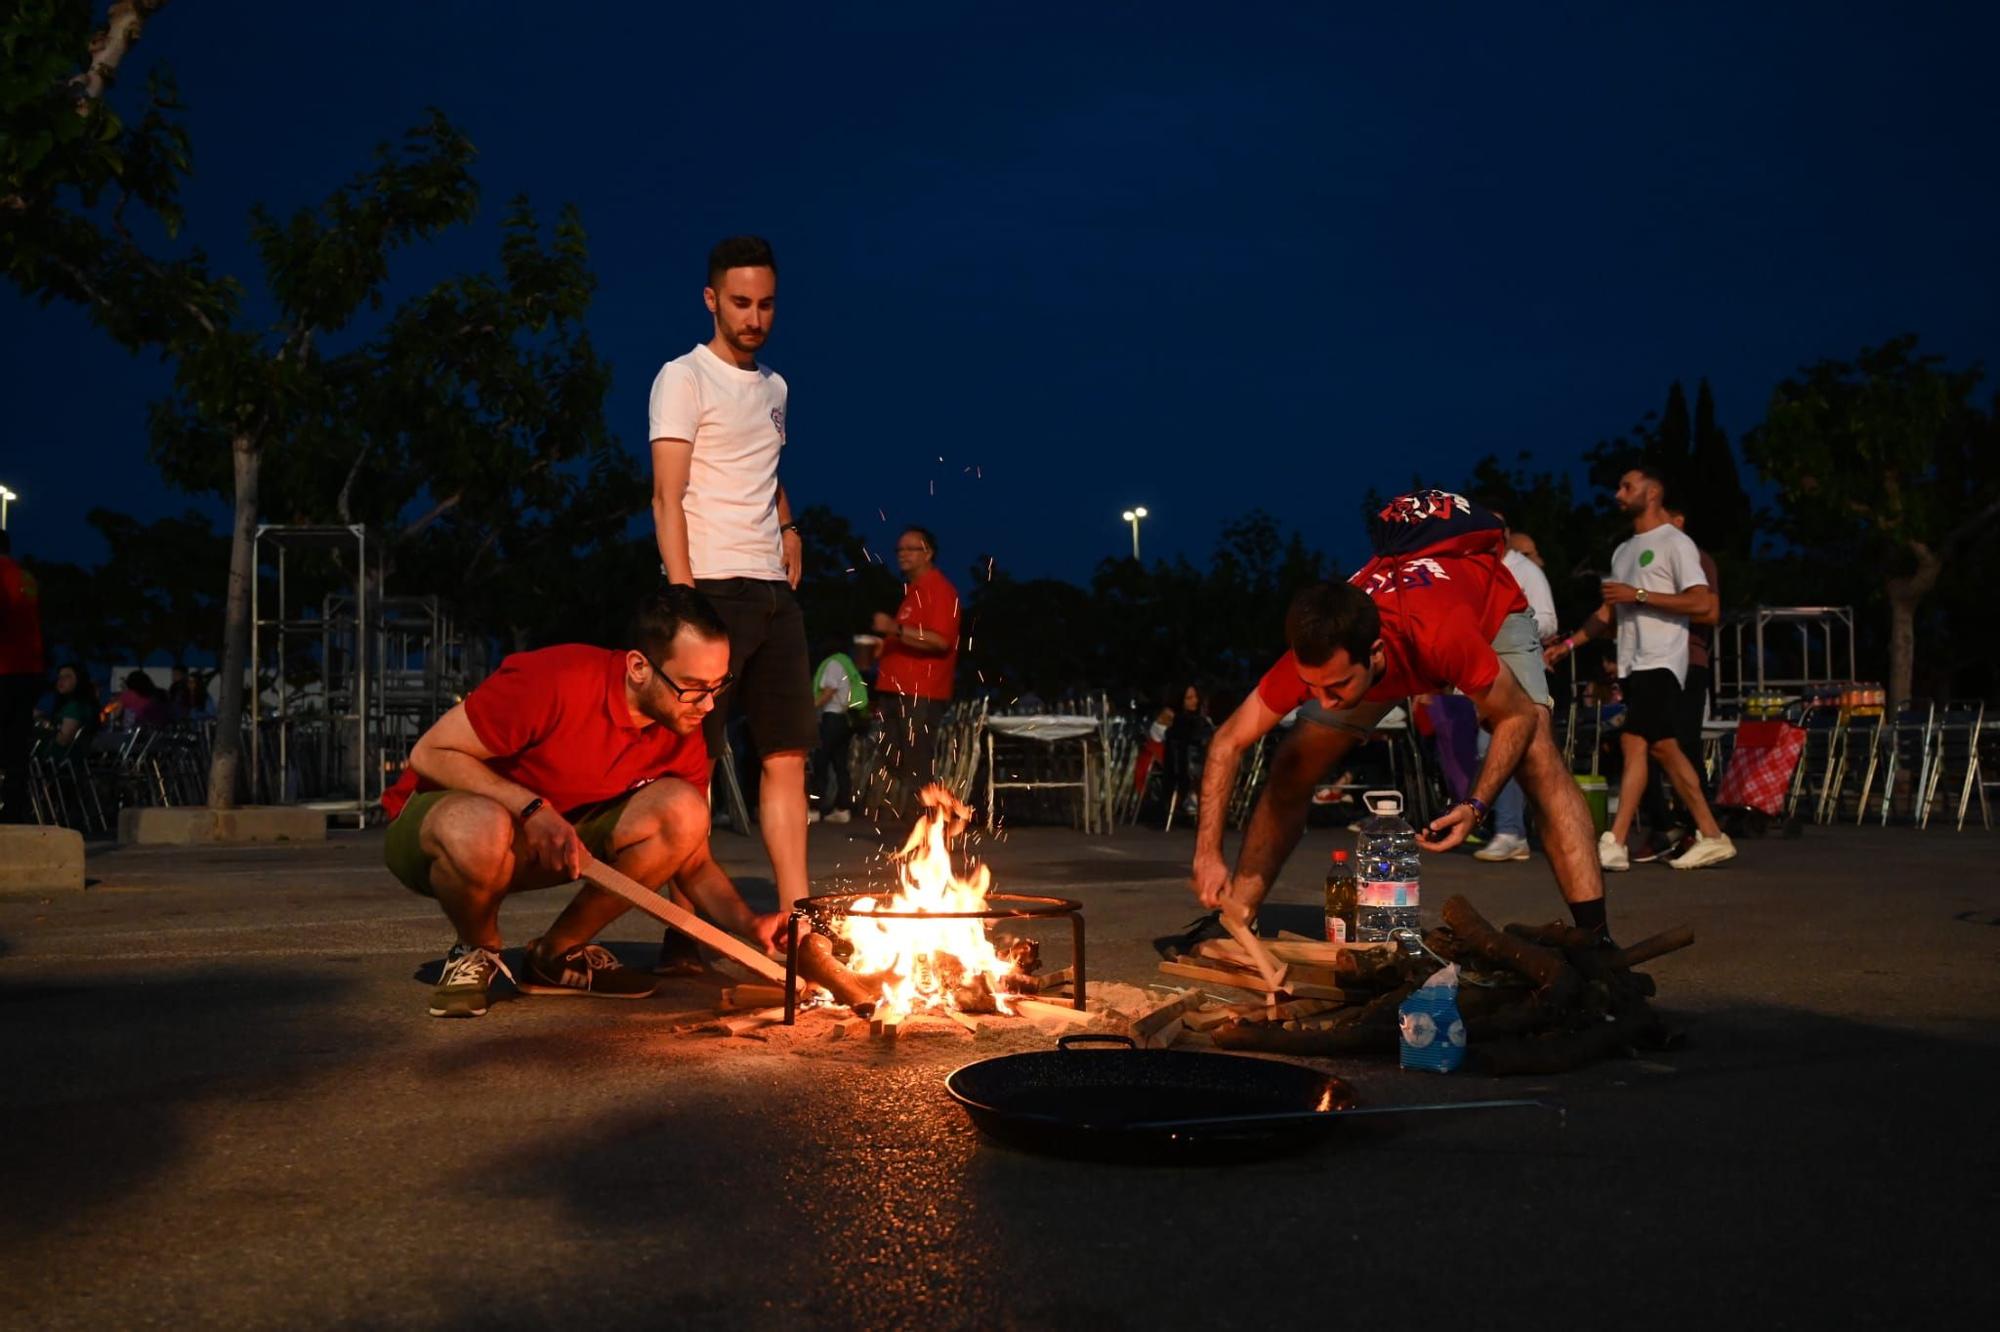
<point>6,497</point>
<point>1133,516</point>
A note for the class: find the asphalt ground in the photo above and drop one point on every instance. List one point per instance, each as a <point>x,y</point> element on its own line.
<point>225,1107</point>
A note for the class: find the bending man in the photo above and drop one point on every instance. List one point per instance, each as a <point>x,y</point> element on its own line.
<point>1435,610</point>
<point>563,755</point>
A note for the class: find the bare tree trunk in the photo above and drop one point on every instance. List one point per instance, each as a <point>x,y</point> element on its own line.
<point>1904,595</point>
<point>227,760</point>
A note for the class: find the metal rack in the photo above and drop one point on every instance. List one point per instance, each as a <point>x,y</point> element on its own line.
<point>1744,649</point>
<point>386,667</point>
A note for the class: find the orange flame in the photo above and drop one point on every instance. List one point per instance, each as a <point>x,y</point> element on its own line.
<point>925,961</point>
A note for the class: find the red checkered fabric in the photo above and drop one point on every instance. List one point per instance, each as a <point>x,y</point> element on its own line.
<point>1760,768</point>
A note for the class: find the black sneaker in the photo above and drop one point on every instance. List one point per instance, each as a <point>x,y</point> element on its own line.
<point>680,955</point>
<point>1171,946</point>
<point>467,976</point>
<point>586,969</point>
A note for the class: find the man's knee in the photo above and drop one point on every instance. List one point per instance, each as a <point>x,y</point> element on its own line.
<point>475,836</point>
<point>1663,750</point>
<point>1306,754</point>
<point>670,813</point>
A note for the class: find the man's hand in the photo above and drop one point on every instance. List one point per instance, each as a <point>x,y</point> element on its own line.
<point>1211,878</point>
<point>1449,829</point>
<point>1556,651</point>
<point>884,623</point>
<point>553,844</point>
<point>1620,594</point>
<point>768,932</point>
<point>795,560</point>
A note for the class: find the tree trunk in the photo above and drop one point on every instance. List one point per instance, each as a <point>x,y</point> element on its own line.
<point>227,760</point>
<point>1904,594</point>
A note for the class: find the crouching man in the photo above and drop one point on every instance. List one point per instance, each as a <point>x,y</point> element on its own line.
<point>566,754</point>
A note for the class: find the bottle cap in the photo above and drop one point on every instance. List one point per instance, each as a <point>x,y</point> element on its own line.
<point>1340,855</point>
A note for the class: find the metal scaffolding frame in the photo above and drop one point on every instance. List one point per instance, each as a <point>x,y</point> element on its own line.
<point>388,667</point>
<point>1742,673</point>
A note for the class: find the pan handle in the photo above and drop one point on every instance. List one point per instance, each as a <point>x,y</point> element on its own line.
<point>1095,1038</point>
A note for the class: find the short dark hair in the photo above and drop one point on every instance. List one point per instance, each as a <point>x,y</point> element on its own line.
<point>1330,617</point>
<point>739,252</point>
<point>664,612</point>
<point>1653,473</point>
<point>930,537</point>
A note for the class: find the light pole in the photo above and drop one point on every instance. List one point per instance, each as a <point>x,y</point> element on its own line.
<point>1133,516</point>
<point>6,497</point>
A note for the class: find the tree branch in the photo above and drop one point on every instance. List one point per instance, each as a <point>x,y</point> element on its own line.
<point>1956,537</point>
<point>438,511</point>
<point>347,486</point>
<point>109,48</point>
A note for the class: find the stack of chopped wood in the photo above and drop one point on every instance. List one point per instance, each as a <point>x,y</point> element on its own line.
<point>1535,998</point>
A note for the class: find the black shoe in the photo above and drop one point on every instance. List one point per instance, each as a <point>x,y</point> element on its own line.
<point>1171,946</point>
<point>680,955</point>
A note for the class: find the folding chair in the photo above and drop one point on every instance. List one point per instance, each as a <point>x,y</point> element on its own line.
<point>1907,740</point>
<point>1955,767</point>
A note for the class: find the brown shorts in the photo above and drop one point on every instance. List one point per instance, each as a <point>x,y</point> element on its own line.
<point>403,849</point>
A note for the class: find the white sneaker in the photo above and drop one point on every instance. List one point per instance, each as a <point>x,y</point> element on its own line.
<point>1611,853</point>
<point>812,816</point>
<point>1705,851</point>
<point>840,816</point>
<point>1504,846</point>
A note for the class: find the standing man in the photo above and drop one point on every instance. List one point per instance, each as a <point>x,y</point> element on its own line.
<point>1656,587</point>
<point>919,654</point>
<point>565,755</point>
<point>841,695</point>
<point>21,680</point>
<point>1434,610</point>
<point>724,525</point>
<point>1510,809</point>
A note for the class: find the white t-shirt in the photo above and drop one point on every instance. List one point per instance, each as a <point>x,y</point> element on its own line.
<point>1663,561</point>
<point>1535,587</point>
<point>735,419</point>
<point>834,676</point>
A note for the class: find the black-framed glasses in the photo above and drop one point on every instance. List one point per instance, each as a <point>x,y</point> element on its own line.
<point>692,693</point>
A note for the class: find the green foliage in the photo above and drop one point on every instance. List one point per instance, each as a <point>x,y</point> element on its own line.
<point>156,595</point>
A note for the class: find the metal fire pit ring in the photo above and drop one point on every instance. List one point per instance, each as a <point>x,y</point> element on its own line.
<point>816,911</point>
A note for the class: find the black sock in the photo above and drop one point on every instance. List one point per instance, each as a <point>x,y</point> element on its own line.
<point>1590,916</point>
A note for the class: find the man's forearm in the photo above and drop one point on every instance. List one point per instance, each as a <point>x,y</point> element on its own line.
<point>784,506</point>
<point>670,531</point>
<point>918,639</point>
<point>710,890</point>
<point>1503,754</point>
<point>1218,779</point>
<point>455,770</point>
<point>1693,602</point>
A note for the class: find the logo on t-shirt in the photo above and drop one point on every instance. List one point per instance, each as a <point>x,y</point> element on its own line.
<point>1645,558</point>
<point>778,420</point>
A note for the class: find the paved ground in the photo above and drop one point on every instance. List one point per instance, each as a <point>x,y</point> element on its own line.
<point>226,1108</point>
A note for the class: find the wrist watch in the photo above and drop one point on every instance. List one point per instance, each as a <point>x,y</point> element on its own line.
<point>1639,595</point>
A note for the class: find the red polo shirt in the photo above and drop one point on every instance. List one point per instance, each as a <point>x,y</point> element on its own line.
<point>930,603</point>
<point>557,723</point>
<point>20,620</point>
<point>1440,609</point>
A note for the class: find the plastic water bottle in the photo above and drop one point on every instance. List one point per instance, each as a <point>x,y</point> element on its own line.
<point>1388,876</point>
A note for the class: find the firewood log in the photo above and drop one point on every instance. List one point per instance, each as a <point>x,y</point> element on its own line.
<point>1555,980</point>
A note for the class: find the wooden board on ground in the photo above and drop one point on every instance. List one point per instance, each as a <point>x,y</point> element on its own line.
<point>1213,975</point>
<point>1042,1008</point>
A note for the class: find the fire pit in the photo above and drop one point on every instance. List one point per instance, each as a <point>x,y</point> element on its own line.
<point>825,913</point>
<point>927,942</point>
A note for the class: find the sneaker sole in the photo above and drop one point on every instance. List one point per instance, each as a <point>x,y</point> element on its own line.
<point>530,987</point>
<point>1501,860</point>
<point>437,1012</point>
<point>1705,864</point>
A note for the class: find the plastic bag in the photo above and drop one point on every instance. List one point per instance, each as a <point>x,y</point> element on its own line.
<point>1433,1034</point>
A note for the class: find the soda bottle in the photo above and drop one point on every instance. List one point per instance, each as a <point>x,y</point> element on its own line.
<point>1340,899</point>
<point>1387,877</point>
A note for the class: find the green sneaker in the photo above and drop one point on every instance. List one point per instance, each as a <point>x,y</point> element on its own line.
<point>586,969</point>
<point>468,975</point>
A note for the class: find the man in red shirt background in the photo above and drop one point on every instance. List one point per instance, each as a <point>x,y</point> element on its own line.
<point>919,654</point>
<point>1435,610</point>
<point>21,680</point>
<point>563,755</point>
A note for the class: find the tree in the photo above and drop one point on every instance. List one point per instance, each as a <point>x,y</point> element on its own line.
<point>1884,461</point>
<point>1721,518</point>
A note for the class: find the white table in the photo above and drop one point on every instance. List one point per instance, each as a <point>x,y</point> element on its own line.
<point>1049,729</point>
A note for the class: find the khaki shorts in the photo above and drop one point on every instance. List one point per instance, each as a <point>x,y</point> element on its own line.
<point>403,849</point>
<point>1517,645</point>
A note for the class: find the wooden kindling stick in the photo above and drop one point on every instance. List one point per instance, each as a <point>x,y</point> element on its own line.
<point>1273,971</point>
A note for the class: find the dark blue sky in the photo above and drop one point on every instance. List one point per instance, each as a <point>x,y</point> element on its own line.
<point>1197,258</point>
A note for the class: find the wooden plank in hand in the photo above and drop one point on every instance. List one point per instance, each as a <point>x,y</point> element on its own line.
<point>661,909</point>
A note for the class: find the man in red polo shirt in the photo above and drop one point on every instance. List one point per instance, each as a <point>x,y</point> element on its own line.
<point>563,755</point>
<point>919,654</point>
<point>1435,610</point>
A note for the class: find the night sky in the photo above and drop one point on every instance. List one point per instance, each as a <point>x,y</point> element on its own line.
<point>1198,258</point>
